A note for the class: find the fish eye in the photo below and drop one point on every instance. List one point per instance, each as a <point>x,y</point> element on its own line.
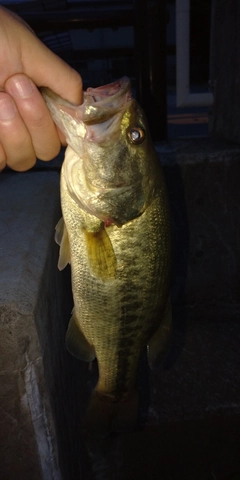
<point>136,135</point>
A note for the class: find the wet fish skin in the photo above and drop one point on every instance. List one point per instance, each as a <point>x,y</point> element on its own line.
<point>116,234</point>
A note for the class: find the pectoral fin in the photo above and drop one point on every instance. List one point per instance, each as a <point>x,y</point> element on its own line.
<point>101,256</point>
<point>77,343</point>
<point>61,238</point>
<point>159,342</point>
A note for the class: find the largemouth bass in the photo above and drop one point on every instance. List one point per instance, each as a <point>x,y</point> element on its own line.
<point>115,233</point>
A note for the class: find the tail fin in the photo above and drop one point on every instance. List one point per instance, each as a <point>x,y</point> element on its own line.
<point>105,415</point>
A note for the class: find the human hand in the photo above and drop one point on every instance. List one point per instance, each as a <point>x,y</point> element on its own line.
<point>27,130</point>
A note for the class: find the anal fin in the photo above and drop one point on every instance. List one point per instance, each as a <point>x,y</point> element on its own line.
<point>77,343</point>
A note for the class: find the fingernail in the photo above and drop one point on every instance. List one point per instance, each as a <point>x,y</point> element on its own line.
<point>7,109</point>
<point>23,87</point>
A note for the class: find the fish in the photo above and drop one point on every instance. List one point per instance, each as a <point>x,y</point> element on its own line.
<point>115,233</point>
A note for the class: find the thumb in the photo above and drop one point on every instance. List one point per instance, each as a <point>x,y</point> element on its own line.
<point>48,70</point>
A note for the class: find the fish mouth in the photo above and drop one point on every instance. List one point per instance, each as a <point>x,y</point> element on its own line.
<point>101,106</point>
<point>102,103</point>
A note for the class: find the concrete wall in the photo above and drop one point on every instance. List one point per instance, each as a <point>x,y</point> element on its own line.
<point>225,69</point>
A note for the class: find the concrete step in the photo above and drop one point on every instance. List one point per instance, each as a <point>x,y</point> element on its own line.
<point>28,306</point>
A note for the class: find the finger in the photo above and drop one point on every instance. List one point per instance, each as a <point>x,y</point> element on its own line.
<point>25,53</point>
<point>3,159</point>
<point>62,137</point>
<point>35,115</point>
<point>56,74</point>
<point>14,137</point>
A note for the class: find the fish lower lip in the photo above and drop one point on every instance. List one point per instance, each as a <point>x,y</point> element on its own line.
<point>108,188</point>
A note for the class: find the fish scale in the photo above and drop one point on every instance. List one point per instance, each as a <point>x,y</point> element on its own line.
<point>116,312</point>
